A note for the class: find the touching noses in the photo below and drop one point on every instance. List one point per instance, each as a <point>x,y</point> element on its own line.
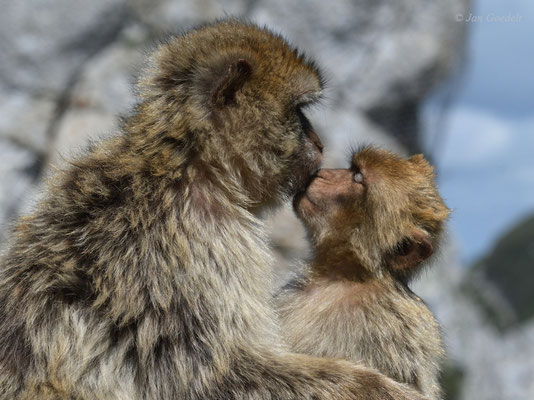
<point>326,174</point>
<point>334,176</point>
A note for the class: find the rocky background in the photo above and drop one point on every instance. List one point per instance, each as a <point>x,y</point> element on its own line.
<point>66,72</point>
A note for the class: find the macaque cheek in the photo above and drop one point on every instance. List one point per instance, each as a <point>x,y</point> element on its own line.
<point>313,153</point>
<point>342,200</point>
<point>305,161</point>
<point>345,212</point>
<point>336,198</point>
<point>314,219</point>
<point>304,207</point>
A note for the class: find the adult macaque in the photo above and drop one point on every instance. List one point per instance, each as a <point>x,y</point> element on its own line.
<point>145,271</point>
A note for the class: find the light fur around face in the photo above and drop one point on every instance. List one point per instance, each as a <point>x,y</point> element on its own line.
<point>145,272</point>
<point>371,227</point>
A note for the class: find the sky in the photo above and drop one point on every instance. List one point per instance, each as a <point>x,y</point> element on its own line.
<point>486,156</point>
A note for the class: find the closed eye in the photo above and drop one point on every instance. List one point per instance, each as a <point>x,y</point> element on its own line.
<point>303,120</point>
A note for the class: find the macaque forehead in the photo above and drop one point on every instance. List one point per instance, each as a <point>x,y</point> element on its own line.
<point>405,185</point>
<point>382,163</point>
<point>299,84</point>
<point>377,159</point>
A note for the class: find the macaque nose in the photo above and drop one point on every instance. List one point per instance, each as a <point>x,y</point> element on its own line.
<point>325,174</point>
<point>334,176</point>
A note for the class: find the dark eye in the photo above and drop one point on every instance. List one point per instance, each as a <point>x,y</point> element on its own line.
<point>303,120</point>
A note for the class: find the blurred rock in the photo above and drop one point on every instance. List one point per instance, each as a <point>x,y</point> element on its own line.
<point>164,16</point>
<point>107,83</point>
<point>24,119</point>
<point>42,42</point>
<point>344,129</point>
<point>17,170</point>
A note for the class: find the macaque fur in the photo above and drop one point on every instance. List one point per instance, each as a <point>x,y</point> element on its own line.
<point>371,227</point>
<point>145,273</point>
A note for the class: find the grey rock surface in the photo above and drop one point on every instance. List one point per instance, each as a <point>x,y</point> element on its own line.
<point>45,41</point>
<point>17,170</point>
<point>24,119</point>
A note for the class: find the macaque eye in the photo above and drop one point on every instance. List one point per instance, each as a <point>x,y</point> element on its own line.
<point>302,105</point>
<point>303,120</point>
<point>358,177</point>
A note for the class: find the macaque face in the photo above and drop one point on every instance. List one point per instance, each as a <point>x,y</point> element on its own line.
<point>307,157</point>
<point>377,182</point>
<point>335,198</point>
<point>383,207</point>
<point>331,194</point>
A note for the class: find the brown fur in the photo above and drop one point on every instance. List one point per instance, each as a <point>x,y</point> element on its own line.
<point>145,272</point>
<point>369,238</point>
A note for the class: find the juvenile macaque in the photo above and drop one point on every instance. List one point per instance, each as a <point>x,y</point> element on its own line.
<point>371,227</point>
<point>145,271</point>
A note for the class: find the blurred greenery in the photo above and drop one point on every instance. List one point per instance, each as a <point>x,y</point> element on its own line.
<point>451,380</point>
<point>502,282</point>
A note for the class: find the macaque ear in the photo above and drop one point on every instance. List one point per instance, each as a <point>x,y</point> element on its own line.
<point>232,80</point>
<point>411,252</point>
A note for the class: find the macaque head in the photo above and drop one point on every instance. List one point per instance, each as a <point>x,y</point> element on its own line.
<point>235,93</point>
<point>384,212</point>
